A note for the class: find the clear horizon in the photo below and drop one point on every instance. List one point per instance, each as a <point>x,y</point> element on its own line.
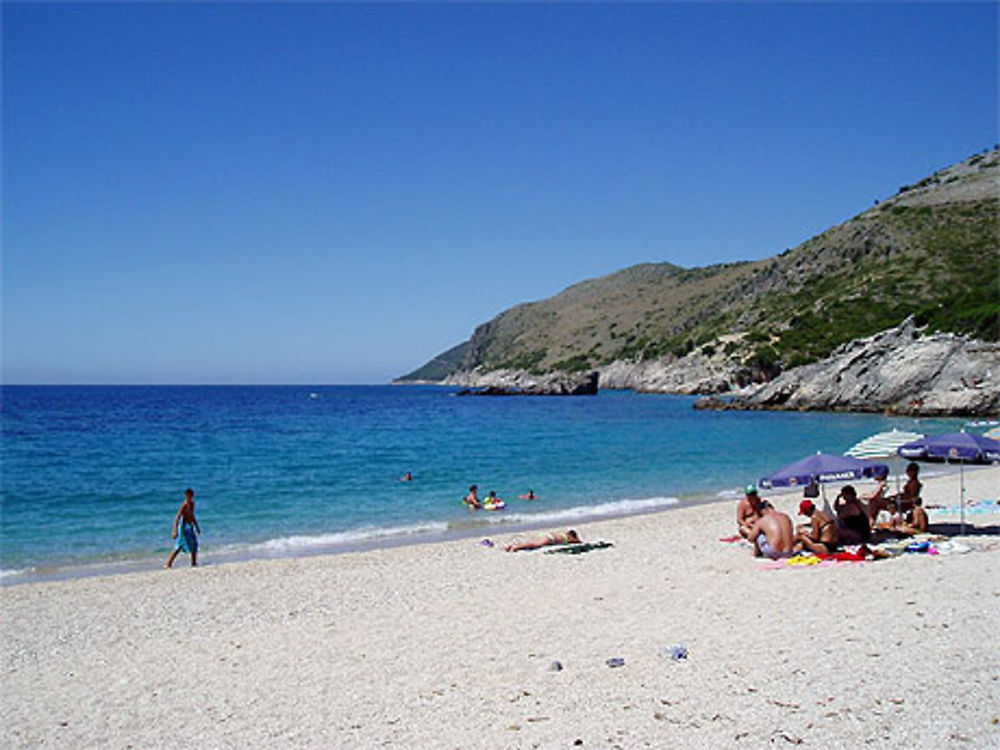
<point>333,194</point>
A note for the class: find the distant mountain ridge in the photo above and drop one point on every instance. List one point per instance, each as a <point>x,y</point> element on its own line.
<point>931,252</point>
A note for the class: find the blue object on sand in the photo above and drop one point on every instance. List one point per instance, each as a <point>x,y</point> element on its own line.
<point>677,651</point>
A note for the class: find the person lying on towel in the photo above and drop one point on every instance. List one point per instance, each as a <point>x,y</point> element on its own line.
<point>552,538</point>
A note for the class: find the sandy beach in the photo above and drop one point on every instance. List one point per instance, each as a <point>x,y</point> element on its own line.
<point>453,645</point>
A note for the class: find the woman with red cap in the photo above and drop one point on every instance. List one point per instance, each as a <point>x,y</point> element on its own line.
<point>820,536</point>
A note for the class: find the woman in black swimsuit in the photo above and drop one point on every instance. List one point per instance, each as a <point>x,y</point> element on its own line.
<point>854,525</point>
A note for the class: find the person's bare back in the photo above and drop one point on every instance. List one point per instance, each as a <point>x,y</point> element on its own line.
<point>773,535</point>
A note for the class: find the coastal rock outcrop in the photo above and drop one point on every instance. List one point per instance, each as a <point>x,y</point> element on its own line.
<point>899,370</point>
<point>902,370</point>
<point>517,383</point>
<point>695,373</point>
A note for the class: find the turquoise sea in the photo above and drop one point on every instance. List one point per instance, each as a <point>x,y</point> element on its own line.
<point>93,476</point>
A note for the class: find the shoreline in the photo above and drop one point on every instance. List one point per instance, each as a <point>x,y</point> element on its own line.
<point>460,645</point>
<point>261,551</point>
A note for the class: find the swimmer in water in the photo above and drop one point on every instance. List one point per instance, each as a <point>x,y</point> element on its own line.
<point>472,499</point>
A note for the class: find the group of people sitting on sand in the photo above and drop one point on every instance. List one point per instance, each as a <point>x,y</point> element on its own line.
<point>852,521</point>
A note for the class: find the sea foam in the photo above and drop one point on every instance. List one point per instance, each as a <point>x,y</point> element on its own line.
<point>305,542</point>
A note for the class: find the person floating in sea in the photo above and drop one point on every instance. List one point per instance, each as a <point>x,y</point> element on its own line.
<point>749,510</point>
<point>552,538</point>
<point>820,535</point>
<point>772,534</point>
<point>530,496</point>
<point>492,502</point>
<point>187,539</point>
<point>472,499</point>
<point>407,477</point>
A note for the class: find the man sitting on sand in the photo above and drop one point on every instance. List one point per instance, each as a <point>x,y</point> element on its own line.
<point>749,510</point>
<point>553,537</point>
<point>772,535</point>
<point>820,535</point>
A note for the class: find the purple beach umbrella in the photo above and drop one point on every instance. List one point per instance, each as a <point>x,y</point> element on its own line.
<point>955,446</point>
<point>822,467</point>
<point>963,447</point>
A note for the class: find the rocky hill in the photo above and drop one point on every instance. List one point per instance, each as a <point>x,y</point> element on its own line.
<point>902,370</point>
<point>930,252</point>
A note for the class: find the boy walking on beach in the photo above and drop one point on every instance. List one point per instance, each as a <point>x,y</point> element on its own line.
<point>187,540</point>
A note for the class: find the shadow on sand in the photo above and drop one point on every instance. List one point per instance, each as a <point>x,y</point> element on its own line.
<point>955,529</point>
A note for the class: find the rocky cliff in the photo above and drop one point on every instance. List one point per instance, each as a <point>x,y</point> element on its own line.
<point>898,371</point>
<point>931,252</point>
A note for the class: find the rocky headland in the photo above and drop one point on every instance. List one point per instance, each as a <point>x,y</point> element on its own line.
<point>512,383</point>
<point>896,309</point>
<point>898,371</point>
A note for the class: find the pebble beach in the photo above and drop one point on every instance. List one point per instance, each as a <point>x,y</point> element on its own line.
<point>462,645</point>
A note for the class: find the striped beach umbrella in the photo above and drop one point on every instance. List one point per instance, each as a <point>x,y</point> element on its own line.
<point>882,444</point>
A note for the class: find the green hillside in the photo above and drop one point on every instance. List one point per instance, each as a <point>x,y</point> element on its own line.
<point>932,251</point>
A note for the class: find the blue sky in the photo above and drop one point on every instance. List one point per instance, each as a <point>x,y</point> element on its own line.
<point>335,193</point>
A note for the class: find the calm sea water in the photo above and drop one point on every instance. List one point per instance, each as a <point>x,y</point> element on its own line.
<point>94,475</point>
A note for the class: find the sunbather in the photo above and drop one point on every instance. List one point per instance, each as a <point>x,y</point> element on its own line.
<point>553,537</point>
<point>876,500</point>
<point>910,493</point>
<point>820,535</point>
<point>852,518</point>
<point>914,522</point>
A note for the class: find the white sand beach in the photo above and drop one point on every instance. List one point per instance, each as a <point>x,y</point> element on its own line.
<point>452,645</point>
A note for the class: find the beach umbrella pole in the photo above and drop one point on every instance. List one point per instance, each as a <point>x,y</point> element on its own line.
<point>961,483</point>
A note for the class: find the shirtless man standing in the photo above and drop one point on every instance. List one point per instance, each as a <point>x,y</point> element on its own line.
<point>820,535</point>
<point>187,540</point>
<point>772,535</point>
